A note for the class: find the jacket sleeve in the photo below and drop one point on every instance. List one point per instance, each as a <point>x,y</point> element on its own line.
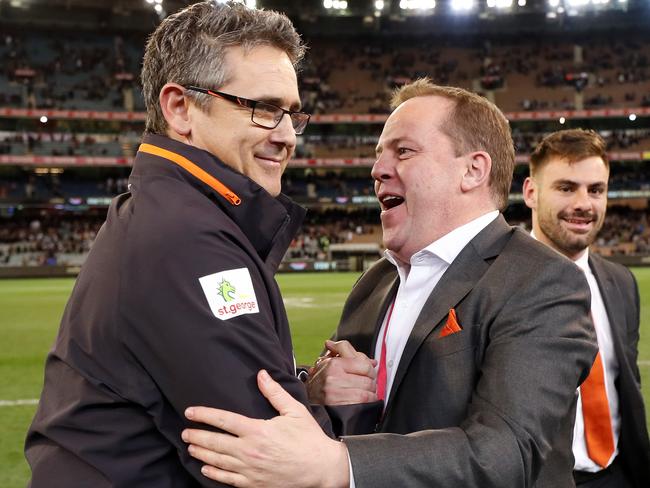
<point>540,346</point>
<point>190,346</point>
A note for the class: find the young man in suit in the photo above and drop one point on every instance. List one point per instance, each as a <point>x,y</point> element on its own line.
<point>567,192</point>
<point>481,334</point>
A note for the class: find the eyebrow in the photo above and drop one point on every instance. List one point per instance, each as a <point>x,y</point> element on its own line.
<point>404,139</point>
<point>576,183</point>
<point>295,107</point>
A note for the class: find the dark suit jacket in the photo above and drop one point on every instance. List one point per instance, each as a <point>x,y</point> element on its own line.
<point>621,296</point>
<point>491,406</point>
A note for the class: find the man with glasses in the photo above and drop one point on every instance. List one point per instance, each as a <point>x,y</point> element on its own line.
<point>177,303</point>
<point>481,334</point>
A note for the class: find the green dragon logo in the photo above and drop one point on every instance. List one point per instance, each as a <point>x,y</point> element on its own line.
<point>226,291</point>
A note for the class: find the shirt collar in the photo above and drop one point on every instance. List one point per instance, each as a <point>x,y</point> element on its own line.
<point>448,246</point>
<point>582,262</point>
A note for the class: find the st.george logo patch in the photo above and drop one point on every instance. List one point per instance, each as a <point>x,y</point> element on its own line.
<point>230,293</point>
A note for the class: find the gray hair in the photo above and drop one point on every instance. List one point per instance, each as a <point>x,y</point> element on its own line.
<point>189,48</point>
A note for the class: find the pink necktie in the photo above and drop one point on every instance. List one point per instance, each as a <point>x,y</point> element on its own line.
<point>381,373</point>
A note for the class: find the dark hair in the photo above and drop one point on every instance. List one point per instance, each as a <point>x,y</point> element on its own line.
<point>189,48</point>
<point>571,145</point>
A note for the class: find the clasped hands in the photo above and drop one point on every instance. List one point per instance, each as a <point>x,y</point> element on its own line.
<point>342,376</point>
<point>290,450</point>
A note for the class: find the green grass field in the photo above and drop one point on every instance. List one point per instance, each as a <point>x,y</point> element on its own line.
<point>30,311</point>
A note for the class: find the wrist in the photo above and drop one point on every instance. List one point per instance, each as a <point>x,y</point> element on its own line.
<point>338,473</point>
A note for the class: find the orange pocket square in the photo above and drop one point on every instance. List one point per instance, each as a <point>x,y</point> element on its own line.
<point>451,327</point>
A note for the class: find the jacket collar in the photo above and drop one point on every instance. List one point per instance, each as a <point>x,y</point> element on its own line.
<point>268,222</point>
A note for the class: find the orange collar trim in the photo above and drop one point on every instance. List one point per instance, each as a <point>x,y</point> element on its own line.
<point>193,169</point>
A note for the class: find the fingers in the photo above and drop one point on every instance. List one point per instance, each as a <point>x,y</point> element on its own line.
<point>348,380</point>
<point>212,458</point>
<point>222,419</point>
<point>214,441</point>
<point>348,397</point>
<point>282,401</point>
<point>344,349</point>
<point>342,381</point>
<point>225,477</point>
<point>358,366</point>
<point>341,348</point>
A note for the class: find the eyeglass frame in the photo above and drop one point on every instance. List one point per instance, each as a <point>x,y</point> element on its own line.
<point>252,104</point>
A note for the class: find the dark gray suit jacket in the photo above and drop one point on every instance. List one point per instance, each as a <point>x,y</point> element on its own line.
<point>621,296</point>
<point>491,406</point>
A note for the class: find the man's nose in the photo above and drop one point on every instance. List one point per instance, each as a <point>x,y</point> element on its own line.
<point>382,169</point>
<point>284,133</point>
<point>581,200</point>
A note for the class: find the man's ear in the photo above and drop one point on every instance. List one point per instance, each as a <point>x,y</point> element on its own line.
<point>175,108</point>
<point>530,193</point>
<point>477,171</point>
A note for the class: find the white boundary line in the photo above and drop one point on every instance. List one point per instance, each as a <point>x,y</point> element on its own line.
<point>16,403</point>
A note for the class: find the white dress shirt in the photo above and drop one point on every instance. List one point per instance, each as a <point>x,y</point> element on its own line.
<point>610,367</point>
<point>416,282</point>
<point>610,370</point>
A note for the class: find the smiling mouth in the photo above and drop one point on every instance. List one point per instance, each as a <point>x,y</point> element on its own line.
<point>270,160</point>
<point>390,201</point>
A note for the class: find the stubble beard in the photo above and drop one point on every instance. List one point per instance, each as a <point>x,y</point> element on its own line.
<point>567,242</point>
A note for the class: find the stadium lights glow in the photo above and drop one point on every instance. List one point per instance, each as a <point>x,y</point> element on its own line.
<point>554,3</point>
<point>150,2</point>
<point>157,8</point>
<point>417,4</point>
<point>632,117</point>
<point>521,3</point>
<point>499,3</point>
<point>335,4</point>
<point>562,120</point>
<point>577,3</point>
<point>44,119</point>
<point>462,5</point>
<point>379,5</point>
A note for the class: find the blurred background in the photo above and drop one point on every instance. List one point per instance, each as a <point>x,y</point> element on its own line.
<point>72,114</point>
<point>71,109</point>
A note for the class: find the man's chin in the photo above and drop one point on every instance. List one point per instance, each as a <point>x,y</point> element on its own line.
<point>574,244</point>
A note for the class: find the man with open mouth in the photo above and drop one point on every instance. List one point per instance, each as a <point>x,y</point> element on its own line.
<point>480,333</point>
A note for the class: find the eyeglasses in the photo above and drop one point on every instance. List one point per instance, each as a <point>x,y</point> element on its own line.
<point>263,114</point>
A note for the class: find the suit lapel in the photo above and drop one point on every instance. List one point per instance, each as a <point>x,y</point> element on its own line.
<point>459,279</point>
<point>366,307</point>
<point>379,302</point>
<point>613,301</point>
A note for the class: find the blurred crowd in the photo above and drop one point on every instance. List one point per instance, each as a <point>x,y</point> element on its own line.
<point>47,241</point>
<point>65,240</point>
<point>351,75</point>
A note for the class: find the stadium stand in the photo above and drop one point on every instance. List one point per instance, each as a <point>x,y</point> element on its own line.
<point>71,112</point>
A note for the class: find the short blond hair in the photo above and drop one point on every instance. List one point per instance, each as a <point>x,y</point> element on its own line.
<point>474,124</point>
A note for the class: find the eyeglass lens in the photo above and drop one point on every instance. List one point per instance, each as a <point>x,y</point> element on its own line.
<point>270,116</point>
